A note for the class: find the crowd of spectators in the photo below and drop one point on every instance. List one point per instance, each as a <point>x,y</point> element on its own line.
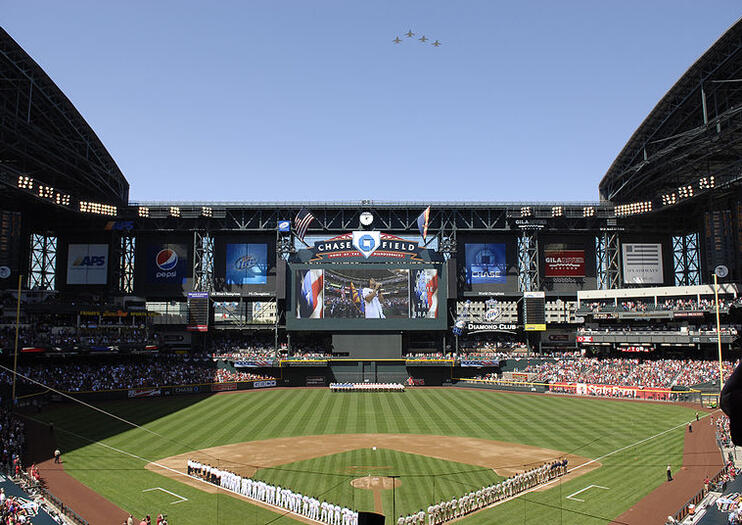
<point>12,438</point>
<point>486,344</point>
<point>672,304</point>
<point>64,337</point>
<point>12,509</point>
<point>723,435</point>
<point>246,347</point>
<point>664,329</point>
<point>146,520</point>
<point>660,373</point>
<point>125,374</point>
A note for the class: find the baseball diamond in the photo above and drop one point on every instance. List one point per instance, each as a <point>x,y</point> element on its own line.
<point>440,442</point>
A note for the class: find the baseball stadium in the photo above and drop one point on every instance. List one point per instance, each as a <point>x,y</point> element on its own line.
<point>359,362</point>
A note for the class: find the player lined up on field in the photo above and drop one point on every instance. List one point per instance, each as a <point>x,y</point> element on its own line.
<point>473,501</point>
<point>295,502</point>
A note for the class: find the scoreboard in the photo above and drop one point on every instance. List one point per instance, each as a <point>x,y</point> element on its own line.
<point>534,311</point>
<point>10,239</point>
<point>198,312</point>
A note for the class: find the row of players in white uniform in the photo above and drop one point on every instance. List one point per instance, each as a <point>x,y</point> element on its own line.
<point>294,502</point>
<point>457,507</point>
<point>331,514</point>
<point>366,387</point>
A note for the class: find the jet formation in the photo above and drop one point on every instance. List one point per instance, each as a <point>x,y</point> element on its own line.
<point>410,34</point>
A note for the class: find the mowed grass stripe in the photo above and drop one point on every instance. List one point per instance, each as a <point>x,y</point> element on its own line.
<point>548,421</point>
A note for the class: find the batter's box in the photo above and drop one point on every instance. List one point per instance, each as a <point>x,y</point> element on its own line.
<point>181,499</point>
<point>572,496</point>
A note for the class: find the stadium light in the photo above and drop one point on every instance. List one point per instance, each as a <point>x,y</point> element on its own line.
<point>45,192</point>
<point>97,208</point>
<point>588,211</point>
<point>143,211</point>
<point>526,211</point>
<point>557,211</point>
<point>25,183</point>
<point>668,199</point>
<point>635,208</point>
<point>685,192</point>
<point>206,211</point>
<point>62,199</point>
<point>706,183</point>
<point>174,211</point>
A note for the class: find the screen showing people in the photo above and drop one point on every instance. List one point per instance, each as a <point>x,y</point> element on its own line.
<point>396,293</point>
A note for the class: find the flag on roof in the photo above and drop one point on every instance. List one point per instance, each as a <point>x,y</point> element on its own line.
<point>422,223</point>
<point>301,222</point>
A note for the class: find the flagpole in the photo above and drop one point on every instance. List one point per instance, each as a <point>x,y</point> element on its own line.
<point>718,333</point>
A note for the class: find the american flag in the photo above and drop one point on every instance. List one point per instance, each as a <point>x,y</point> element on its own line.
<point>301,222</point>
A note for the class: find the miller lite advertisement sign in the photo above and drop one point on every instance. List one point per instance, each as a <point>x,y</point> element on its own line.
<point>87,264</point>
<point>247,264</point>
<point>167,263</point>
<point>564,263</point>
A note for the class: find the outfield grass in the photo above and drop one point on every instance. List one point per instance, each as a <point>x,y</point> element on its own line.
<point>587,427</point>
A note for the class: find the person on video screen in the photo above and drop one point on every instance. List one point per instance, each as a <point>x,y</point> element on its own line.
<point>372,300</point>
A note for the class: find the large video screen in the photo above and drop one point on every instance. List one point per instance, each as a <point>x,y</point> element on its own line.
<point>486,263</point>
<point>367,294</point>
<point>246,264</point>
<point>360,297</point>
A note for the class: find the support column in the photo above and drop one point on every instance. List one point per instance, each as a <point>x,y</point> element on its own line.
<point>529,275</point>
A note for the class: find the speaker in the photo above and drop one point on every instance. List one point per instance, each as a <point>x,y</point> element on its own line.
<point>452,276</point>
<point>280,279</point>
<point>370,518</point>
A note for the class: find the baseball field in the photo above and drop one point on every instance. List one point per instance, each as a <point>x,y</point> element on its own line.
<point>430,444</point>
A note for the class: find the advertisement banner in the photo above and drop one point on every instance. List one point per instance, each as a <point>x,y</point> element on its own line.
<point>424,294</point>
<point>564,263</point>
<point>264,384</point>
<point>247,264</point>
<point>145,392</point>
<point>367,245</point>
<point>87,264</point>
<point>223,387</point>
<point>642,264</point>
<point>253,364</point>
<point>167,264</point>
<point>486,264</point>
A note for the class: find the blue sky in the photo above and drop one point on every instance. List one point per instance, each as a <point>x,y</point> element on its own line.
<point>311,100</point>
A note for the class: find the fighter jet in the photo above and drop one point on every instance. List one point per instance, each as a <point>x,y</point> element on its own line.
<point>396,40</point>
<point>423,38</point>
<point>436,43</point>
<point>410,34</point>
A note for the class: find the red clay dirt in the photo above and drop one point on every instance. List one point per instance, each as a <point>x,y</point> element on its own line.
<point>701,458</point>
<point>93,507</point>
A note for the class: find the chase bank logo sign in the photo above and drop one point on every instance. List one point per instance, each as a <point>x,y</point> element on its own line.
<point>366,242</point>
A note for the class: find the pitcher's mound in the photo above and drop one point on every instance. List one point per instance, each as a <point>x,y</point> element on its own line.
<point>376,483</point>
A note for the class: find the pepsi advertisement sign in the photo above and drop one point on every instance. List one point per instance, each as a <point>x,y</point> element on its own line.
<point>247,264</point>
<point>167,264</point>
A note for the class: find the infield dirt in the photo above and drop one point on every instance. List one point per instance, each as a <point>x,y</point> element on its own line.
<point>246,458</point>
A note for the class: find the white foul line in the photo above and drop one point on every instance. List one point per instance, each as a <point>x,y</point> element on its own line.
<point>583,490</point>
<point>182,499</point>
